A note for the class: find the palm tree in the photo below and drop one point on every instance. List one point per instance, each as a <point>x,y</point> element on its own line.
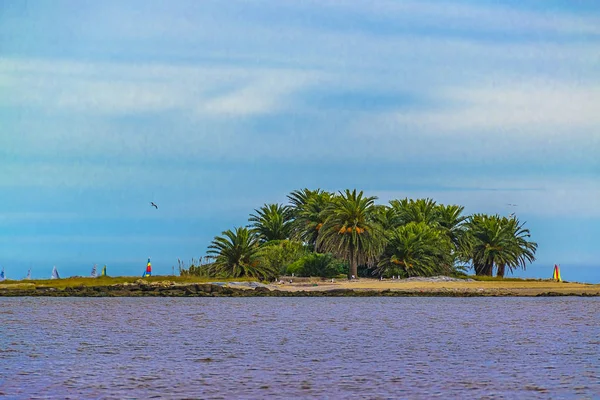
<point>350,231</point>
<point>498,241</point>
<point>309,214</point>
<point>449,218</point>
<point>416,249</point>
<point>237,254</point>
<point>420,210</point>
<point>524,250</point>
<point>271,222</point>
<point>387,217</point>
<point>298,198</point>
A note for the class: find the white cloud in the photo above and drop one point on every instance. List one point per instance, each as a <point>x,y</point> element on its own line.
<point>113,89</point>
<point>542,107</point>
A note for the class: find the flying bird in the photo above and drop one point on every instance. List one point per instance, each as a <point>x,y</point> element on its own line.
<point>512,205</point>
<point>153,205</point>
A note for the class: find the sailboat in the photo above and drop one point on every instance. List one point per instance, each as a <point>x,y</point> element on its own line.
<point>2,277</point>
<point>55,273</point>
<point>94,272</point>
<point>148,271</point>
<point>28,277</point>
<point>556,274</point>
<point>103,273</point>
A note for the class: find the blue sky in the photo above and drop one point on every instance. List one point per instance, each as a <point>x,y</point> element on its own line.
<point>213,108</point>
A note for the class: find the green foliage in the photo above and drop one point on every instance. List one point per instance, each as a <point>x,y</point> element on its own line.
<point>271,222</point>
<point>277,255</point>
<point>321,265</point>
<point>407,238</point>
<point>416,249</point>
<point>494,241</point>
<point>350,230</point>
<point>449,219</point>
<point>420,210</point>
<point>237,254</point>
<point>308,208</point>
<point>387,217</point>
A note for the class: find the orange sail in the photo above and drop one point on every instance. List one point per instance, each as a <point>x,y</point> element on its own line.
<point>556,274</point>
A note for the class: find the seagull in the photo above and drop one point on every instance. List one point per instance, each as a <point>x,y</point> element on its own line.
<point>153,205</point>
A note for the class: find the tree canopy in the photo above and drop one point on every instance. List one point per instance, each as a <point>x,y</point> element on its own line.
<point>320,232</point>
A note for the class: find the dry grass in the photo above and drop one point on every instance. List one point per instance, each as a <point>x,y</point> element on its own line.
<point>107,281</point>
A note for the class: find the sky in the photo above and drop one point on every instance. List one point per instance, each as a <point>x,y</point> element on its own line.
<point>211,109</point>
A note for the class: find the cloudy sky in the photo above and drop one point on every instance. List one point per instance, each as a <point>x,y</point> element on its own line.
<point>212,108</point>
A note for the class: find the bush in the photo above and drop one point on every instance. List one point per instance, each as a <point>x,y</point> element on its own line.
<point>278,255</point>
<point>321,265</point>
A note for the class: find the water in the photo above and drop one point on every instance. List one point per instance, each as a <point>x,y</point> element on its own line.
<point>337,348</point>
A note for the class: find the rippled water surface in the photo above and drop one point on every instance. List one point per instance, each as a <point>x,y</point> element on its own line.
<point>299,347</point>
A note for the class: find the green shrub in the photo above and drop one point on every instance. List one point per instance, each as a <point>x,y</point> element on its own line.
<point>278,255</point>
<point>321,265</point>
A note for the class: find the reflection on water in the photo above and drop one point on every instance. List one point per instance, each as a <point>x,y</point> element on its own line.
<point>299,347</point>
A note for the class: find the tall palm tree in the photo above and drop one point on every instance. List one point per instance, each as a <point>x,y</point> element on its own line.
<point>350,231</point>
<point>416,249</point>
<point>494,241</point>
<point>236,254</point>
<point>523,249</point>
<point>271,222</point>
<point>309,216</point>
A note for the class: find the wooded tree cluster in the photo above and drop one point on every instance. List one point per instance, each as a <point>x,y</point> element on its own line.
<point>320,233</point>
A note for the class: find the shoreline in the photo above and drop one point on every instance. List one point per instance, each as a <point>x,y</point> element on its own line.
<point>306,288</point>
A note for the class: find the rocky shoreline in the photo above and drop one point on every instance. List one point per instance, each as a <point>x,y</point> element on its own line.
<point>219,289</point>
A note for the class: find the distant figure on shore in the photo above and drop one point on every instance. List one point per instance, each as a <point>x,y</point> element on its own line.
<point>153,205</point>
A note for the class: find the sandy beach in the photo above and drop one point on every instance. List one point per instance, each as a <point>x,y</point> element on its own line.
<point>503,287</point>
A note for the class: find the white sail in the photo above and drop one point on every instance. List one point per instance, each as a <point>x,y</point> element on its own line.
<point>94,272</point>
<point>28,277</point>
<point>55,273</point>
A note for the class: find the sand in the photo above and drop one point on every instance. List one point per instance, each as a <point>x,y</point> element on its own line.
<point>517,288</point>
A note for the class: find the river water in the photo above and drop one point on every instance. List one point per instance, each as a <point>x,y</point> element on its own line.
<point>335,348</point>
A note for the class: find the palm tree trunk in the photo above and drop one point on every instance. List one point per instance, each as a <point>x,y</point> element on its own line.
<point>501,270</point>
<point>479,269</point>
<point>353,265</point>
<point>489,269</point>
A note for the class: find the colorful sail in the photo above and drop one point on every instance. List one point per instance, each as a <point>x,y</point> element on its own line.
<point>2,277</point>
<point>103,271</point>
<point>94,272</point>
<point>28,277</point>
<point>556,274</point>
<point>55,274</point>
<point>148,271</point>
